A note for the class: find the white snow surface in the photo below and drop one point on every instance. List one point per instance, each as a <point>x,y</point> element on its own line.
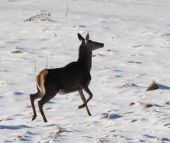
<point>38,34</point>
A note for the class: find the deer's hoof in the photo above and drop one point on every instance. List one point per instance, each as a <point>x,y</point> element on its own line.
<point>82,106</point>
<point>45,120</point>
<point>34,117</point>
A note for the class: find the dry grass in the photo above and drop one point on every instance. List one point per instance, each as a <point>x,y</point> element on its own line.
<point>148,105</point>
<point>16,51</point>
<point>132,103</point>
<point>152,86</point>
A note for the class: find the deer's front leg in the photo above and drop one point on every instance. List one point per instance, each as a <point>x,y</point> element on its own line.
<point>90,97</point>
<point>84,101</point>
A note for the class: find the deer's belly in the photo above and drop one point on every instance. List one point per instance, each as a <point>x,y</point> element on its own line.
<point>62,92</point>
<point>66,91</point>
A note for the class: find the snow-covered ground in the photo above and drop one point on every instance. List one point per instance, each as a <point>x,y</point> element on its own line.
<point>36,34</point>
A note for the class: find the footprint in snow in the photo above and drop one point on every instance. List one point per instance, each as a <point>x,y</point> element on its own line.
<point>126,85</point>
<point>27,136</point>
<point>2,83</point>
<point>110,116</point>
<point>167,125</point>
<point>18,93</point>
<point>150,136</point>
<point>13,127</point>
<point>114,116</point>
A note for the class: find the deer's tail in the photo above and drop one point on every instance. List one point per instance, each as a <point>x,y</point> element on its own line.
<point>40,82</point>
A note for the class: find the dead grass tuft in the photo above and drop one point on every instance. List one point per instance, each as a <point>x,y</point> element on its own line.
<point>152,86</point>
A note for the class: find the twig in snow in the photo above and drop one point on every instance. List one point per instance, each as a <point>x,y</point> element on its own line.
<point>67,10</point>
<point>47,61</point>
<point>35,63</point>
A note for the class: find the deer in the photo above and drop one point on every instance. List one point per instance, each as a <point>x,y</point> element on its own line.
<point>73,77</point>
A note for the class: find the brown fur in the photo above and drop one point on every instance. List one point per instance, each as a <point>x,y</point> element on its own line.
<point>40,80</point>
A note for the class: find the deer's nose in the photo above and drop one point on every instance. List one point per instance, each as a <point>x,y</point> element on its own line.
<point>102,44</point>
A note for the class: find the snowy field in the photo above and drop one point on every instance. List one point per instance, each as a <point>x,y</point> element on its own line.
<point>36,34</point>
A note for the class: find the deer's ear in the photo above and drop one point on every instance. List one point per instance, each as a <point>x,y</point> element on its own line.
<point>87,37</point>
<point>80,37</point>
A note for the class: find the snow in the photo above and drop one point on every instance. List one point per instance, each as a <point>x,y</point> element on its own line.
<point>136,52</point>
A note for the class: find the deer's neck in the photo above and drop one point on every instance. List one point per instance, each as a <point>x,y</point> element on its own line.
<point>85,57</point>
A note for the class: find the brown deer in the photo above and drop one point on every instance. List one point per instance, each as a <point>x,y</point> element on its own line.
<point>75,76</point>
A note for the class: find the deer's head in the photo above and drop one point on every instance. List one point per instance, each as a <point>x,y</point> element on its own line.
<point>92,45</point>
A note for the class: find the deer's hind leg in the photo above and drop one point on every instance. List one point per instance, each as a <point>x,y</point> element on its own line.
<point>84,101</point>
<point>51,91</point>
<point>32,99</point>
